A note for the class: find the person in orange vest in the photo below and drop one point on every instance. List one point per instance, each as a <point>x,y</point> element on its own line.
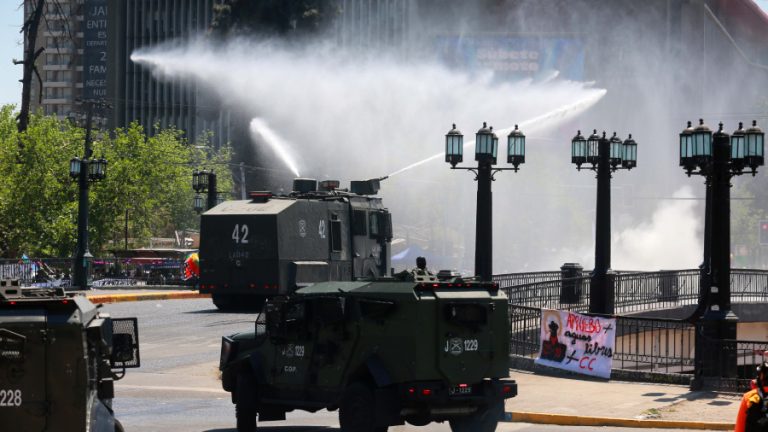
<point>753,411</point>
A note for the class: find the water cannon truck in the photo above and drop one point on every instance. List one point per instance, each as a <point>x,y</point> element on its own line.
<point>271,245</point>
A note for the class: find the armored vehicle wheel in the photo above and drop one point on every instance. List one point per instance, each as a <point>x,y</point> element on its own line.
<point>484,420</point>
<point>357,410</point>
<point>245,403</point>
<point>223,302</point>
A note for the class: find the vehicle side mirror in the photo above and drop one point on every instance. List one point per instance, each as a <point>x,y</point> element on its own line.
<point>125,343</point>
<point>122,348</point>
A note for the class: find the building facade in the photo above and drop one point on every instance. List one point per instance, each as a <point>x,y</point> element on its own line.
<point>135,93</point>
<point>60,66</point>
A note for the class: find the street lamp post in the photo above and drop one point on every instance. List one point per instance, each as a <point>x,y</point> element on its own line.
<point>486,147</point>
<point>205,181</point>
<point>718,157</point>
<point>85,170</point>
<point>606,156</point>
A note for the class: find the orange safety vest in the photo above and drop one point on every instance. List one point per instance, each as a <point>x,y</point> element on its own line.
<point>749,400</point>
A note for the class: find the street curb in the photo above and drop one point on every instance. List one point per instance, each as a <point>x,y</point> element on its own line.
<point>572,420</point>
<point>118,298</point>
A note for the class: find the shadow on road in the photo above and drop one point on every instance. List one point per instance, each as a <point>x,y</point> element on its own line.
<point>217,311</point>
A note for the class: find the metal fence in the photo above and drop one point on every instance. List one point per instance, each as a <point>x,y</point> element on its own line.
<point>56,272</point>
<point>633,291</point>
<point>744,355</point>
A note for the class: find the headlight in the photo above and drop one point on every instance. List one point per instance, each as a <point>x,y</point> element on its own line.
<point>228,350</point>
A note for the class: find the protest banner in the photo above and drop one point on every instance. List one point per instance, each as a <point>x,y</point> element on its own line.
<point>577,343</point>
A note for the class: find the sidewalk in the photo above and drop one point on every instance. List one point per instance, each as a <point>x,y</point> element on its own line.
<point>572,400</point>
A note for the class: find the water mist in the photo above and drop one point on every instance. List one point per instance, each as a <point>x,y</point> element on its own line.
<point>347,116</point>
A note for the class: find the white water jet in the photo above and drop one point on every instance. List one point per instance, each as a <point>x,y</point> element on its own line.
<point>548,120</point>
<point>260,129</point>
<point>351,112</point>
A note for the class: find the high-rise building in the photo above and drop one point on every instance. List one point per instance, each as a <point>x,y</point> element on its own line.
<point>60,35</point>
<point>135,94</point>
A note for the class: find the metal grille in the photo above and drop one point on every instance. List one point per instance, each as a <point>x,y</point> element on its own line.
<point>127,326</point>
<point>11,346</point>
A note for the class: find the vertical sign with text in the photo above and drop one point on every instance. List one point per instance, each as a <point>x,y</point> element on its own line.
<point>95,50</point>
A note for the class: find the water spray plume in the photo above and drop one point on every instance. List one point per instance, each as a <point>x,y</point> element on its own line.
<point>546,120</point>
<point>261,132</point>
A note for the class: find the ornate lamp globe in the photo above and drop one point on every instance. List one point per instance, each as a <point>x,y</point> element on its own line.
<point>629,158</point>
<point>516,147</point>
<point>74,167</point>
<point>616,147</point>
<point>593,145</point>
<point>702,144</point>
<point>454,146</point>
<point>754,151</point>
<point>738,148</point>
<point>578,150</point>
<point>484,144</point>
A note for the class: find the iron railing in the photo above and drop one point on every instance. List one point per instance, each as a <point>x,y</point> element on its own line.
<point>633,292</point>
<point>55,272</point>
<point>743,356</point>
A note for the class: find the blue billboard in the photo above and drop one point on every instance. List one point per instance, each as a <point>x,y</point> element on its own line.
<point>514,57</point>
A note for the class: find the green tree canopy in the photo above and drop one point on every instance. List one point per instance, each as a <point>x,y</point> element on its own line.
<point>149,177</point>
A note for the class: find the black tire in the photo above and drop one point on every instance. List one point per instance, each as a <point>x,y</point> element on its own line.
<point>223,302</point>
<point>357,409</point>
<point>118,426</point>
<point>485,419</point>
<point>245,403</point>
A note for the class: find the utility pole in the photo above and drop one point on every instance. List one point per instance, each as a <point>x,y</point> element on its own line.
<point>85,170</point>
<point>242,181</point>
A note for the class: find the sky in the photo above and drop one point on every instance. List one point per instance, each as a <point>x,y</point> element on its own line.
<point>11,17</point>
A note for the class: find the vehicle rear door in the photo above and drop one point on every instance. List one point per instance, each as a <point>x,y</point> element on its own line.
<point>23,344</point>
<point>464,334</point>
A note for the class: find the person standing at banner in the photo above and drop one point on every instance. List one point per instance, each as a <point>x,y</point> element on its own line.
<point>753,411</point>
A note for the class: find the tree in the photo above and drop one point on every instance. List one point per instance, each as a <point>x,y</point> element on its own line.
<point>148,176</point>
<point>31,53</point>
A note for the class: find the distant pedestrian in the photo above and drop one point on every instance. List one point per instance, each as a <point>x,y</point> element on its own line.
<point>753,411</point>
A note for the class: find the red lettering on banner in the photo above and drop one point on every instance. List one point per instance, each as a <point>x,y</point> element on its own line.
<point>584,324</point>
<point>586,363</point>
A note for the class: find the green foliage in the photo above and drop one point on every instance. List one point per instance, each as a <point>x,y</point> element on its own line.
<point>149,177</point>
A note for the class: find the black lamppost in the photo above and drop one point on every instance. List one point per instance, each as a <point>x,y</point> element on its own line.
<point>85,170</point>
<point>606,156</point>
<point>486,146</point>
<point>718,157</point>
<point>204,181</point>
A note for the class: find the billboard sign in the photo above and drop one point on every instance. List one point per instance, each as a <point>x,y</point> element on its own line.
<point>514,57</point>
<point>95,50</point>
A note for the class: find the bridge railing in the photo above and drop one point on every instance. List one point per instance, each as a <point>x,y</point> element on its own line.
<point>633,291</point>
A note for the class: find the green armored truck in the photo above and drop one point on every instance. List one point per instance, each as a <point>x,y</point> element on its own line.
<point>382,352</point>
<point>59,358</point>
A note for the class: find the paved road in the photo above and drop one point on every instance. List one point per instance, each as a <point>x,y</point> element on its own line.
<point>177,386</point>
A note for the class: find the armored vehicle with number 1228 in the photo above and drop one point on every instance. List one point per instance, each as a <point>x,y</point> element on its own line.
<point>382,352</point>
<point>59,358</point>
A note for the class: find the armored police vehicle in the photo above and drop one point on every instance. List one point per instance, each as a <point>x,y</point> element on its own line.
<point>59,358</point>
<point>271,245</point>
<point>382,352</point>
